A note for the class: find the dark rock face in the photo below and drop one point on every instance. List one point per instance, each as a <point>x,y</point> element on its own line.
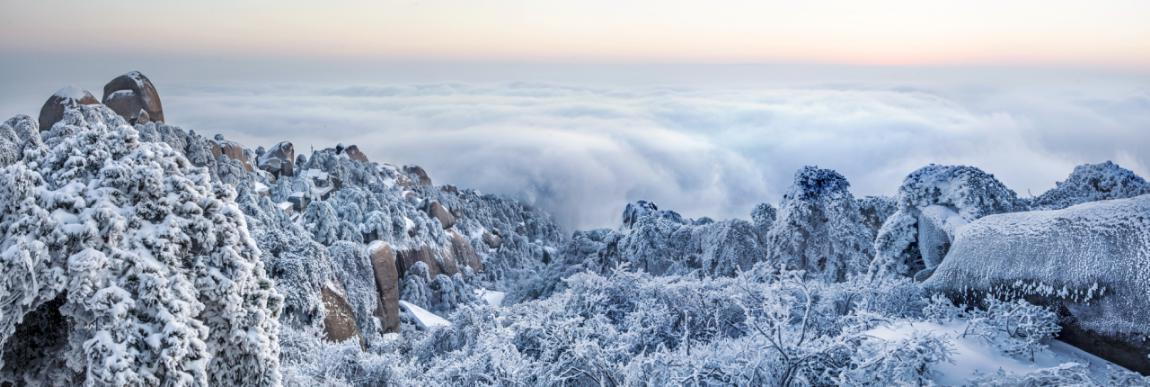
<point>438,211</point>
<point>1127,350</point>
<point>339,322</point>
<point>419,175</point>
<point>232,150</point>
<point>53,109</point>
<point>492,240</point>
<point>387,284</point>
<point>464,253</point>
<point>279,160</point>
<point>134,97</point>
<point>354,153</point>
<point>408,257</point>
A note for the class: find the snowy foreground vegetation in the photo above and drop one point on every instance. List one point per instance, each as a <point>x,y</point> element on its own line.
<point>133,252</point>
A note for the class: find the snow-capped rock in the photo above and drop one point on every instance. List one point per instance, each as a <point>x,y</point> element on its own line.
<point>279,160</point>
<point>69,96</point>
<point>232,150</point>
<point>1092,258</point>
<point>962,191</point>
<point>134,97</point>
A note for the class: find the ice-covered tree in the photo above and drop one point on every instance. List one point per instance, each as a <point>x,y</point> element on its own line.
<point>820,228</point>
<point>149,264</point>
<point>1093,182</point>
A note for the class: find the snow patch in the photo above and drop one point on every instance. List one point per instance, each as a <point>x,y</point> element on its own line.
<point>422,317</point>
<point>973,355</point>
<point>493,297</point>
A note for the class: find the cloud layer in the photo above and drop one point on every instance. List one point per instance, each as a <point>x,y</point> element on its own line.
<point>583,152</point>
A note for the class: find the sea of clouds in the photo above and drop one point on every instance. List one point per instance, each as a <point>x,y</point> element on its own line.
<point>583,150</point>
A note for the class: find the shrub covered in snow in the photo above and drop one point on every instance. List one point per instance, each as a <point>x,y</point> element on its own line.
<point>1093,182</point>
<point>146,267</point>
<point>1026,327</point>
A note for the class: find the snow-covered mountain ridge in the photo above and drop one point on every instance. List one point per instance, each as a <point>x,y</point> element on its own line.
<point>138,253</point>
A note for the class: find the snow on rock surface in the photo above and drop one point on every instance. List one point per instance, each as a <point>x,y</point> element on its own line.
<point>134,97</point>
<point>492,297</point>
<point>1093,258</point>
<point>147,247</point>
<point>943,191</point>
<point>422,317</point>
<point>279,160</point>
<point>968,190</point>
<point>69,96</point>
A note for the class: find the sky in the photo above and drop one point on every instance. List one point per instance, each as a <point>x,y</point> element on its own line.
<point>902,32</point>
<point>707,108</point>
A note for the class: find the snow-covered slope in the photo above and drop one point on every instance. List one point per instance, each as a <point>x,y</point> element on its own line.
<point>973,357</point>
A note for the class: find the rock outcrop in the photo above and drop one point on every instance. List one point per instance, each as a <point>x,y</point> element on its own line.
<point>383,263</point>
<point>134,97</point>
<point>932,202</point>
<point>1091,260</point>
<point>232,150</point>
<point>492,239</point>
<point>418,175</point>
<point>339,320</point>
<point>407,258</point>
<point>279,160</point>
<point>354,153</point>
<point>53,109</point>
<point>445,217</point>
<point>463,253</point>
